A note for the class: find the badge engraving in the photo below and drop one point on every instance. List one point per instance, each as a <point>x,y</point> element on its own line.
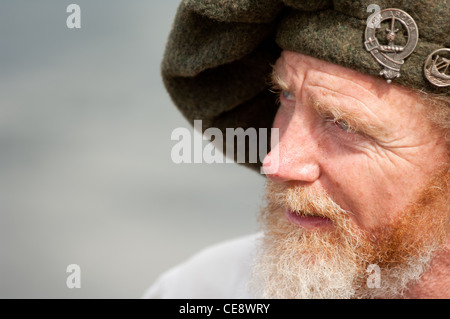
<point>391,56</point>
<point>437,68</point>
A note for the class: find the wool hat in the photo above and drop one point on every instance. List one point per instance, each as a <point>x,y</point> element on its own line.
<point>220,53</point>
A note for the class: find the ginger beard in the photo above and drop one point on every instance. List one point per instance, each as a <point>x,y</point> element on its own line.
<point>297,263</point>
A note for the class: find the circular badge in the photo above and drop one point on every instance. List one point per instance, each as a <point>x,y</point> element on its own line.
<point>437,68</point>
<point>391,55</point>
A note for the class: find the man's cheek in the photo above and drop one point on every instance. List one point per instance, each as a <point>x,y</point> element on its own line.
<point>356,190</point>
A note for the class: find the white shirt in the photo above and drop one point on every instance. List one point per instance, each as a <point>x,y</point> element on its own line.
<point>218,272</point>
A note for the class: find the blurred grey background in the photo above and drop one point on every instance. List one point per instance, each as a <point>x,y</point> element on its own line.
<point>85,170</point>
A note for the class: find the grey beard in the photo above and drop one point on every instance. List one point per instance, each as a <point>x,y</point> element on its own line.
<point>303,265</point>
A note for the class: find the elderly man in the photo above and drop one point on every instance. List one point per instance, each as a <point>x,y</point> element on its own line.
<point>358,206</point>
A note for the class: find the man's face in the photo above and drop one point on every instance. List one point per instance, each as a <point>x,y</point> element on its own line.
<point>357,159</point>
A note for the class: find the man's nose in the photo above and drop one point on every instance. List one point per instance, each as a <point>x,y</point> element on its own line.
<point>295,157</point>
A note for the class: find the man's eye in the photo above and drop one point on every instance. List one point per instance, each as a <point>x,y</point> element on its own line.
<point>344,126</point>
<point>288,95</point>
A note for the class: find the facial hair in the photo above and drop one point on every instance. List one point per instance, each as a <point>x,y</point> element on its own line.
<point>347,262</point>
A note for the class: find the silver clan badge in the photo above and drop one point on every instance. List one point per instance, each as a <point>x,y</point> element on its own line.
<point>391,55</point>
<point>437,68</point>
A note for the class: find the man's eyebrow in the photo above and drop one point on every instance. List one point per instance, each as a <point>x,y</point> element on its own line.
<point>277,83</point>
<point>354,120</point>
<point>327,111</point>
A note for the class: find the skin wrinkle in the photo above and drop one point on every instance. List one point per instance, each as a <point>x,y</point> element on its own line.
<point>369,110</point>
<point>387,145</point>
<point>354,120</point>
<point>386,151</point>
<point>281,82</point>
<point>380,86</point>
<point>291,67</point>
<point>374,181</point>
<point>386,133</point>
<point>396,150</point>
<point>356,84</point>
<point>365,79</point>
<point>380,164</point>
<point>354,98</point>
<point>376,163</point>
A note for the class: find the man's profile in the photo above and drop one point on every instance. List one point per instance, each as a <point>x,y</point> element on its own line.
<point>362,179</point>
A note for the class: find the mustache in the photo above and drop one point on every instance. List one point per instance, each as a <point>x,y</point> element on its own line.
<point>304,201</point>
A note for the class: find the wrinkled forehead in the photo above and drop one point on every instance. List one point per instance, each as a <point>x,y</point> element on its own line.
<point>295,66</point>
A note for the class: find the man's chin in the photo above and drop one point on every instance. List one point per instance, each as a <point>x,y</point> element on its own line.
<point>297,261</point>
